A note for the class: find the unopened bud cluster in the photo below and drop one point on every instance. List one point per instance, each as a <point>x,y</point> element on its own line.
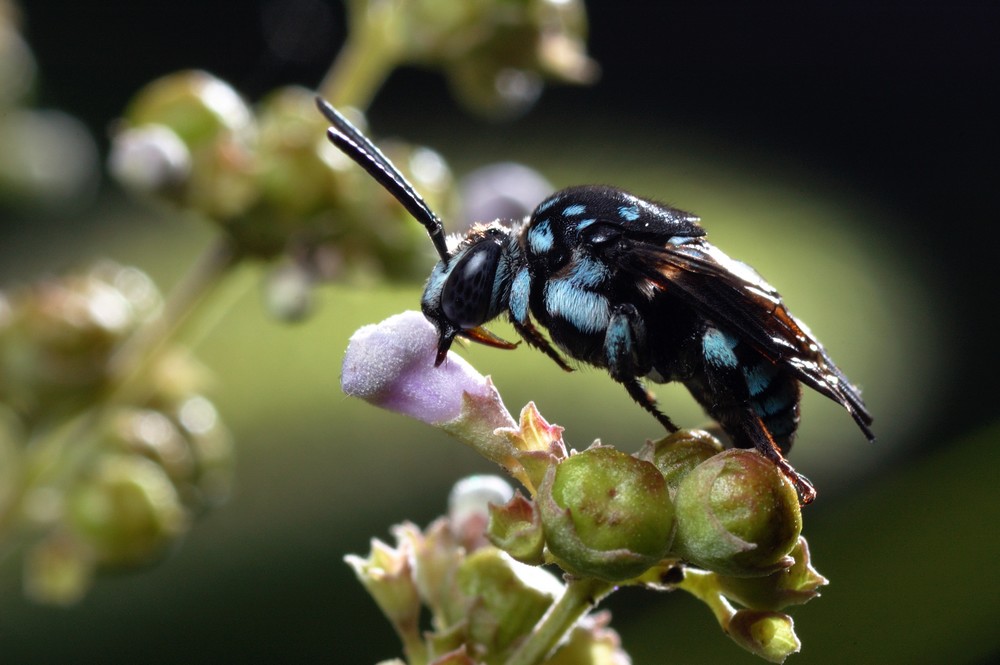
<point>682,513</point>
<point>495,55</point>
<point>483,603</point>
<point>101,481</point>
<point>267,176</point>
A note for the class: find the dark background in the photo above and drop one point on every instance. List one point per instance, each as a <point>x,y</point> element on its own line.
<point>896,102</point>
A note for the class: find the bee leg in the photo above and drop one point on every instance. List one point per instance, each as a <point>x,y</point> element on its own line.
<point>530,333</point>
<point>626,357</point>
<point>753,427</point>
<point>637,392</point>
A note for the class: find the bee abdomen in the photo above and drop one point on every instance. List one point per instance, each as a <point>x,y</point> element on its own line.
<point>774,397</point>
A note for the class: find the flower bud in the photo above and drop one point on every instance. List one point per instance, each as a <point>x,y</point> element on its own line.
<point>127,510</point>
<point>391,365</point>
<point>216,176</point>
<point>150,159</point>
<point>501,71</point>
<point>48,159</point>
<point>769,635</point>
<point>297,178</point>
<point>507,606</point>
<point>387,575</point>
<point>516,528</point>
<point>606,514</point>
<point>676,454</point>
<point>737,515</point>
<point>195,105</point>
<point>212,449</point>
<point>795,585</point>
<point>58,336</point>
<point>592,642</point>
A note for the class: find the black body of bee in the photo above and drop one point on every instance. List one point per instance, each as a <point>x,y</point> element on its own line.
<point>632,286</point>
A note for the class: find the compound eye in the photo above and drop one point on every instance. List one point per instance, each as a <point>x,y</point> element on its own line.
<point>468,291</point>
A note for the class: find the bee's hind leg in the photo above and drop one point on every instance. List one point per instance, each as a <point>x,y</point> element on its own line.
<point>626,356</point>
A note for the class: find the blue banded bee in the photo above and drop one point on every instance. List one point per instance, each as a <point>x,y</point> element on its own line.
<point>632,286</point>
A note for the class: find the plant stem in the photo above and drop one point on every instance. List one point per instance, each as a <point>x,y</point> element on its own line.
<point>580,595</point>
<point>367,57</point>
<point>705,587</point>
<point>140,351</point>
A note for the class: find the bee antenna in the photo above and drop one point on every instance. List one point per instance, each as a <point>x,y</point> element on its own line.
<point>358,147</point>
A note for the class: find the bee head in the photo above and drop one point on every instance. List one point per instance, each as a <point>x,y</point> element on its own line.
<point>470,288</point>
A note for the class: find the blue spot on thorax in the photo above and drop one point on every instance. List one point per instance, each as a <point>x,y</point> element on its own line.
<point>588,273</point>
<point>545,205</point>
<point>540,237</point>
<point>629,213</point>
<point>718,346</point>
<point>586,311</point>
<point>575,209</point>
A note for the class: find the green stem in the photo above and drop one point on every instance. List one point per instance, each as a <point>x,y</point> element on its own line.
<point>135,357</point>
<point>580,595</point>
<point>414,647</point>
<point>368,56</point>
<point>704,586</point>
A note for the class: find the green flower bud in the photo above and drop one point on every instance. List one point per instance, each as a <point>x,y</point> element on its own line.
<point>127,510</point>
<point>676,454</point>
<point>605,514</point>
<point>592,642</point>
<point>437,555</point>
<point>217,175</point>
<point>794,585</point>
<point>387,574</point>
<point>195,105</point>
<point>737,515</point>
<point>296,176</point>
<point>504,606</point>
<point>212,449</point>
<point>516,528</point>
<point>58,336</point>
<point>769,635</point>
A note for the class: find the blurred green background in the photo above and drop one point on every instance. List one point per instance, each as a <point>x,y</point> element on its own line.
<point>848,154</point>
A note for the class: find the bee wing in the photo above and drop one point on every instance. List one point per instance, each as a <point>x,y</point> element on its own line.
<point>733,295</point>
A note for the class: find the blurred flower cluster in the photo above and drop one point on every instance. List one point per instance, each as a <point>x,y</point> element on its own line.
<point>108,449</point>
<point>103,465</point>
<point>270,181</point>
<point>495,54</point>
<point>681,513</point>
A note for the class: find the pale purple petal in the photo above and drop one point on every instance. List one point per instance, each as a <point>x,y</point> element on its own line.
<point>391,365</point>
